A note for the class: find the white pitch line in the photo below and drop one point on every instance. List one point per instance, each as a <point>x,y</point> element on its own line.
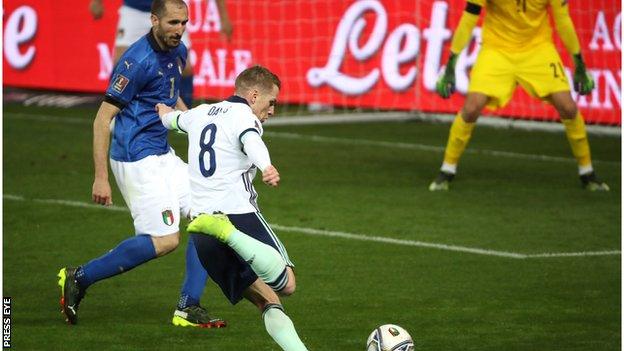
<point>346,141</point>
<point>574,254</point>
<point>424,147</point>
<point>403,242</point>
<point>353,236</point>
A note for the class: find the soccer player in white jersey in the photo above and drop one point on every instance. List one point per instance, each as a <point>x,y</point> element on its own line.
<point>241,253</point>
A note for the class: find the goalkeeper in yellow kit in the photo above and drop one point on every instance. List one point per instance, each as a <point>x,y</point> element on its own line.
<point>517,49</point>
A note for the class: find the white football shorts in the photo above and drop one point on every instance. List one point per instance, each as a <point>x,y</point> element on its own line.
<point>133,24</point>
<point>156,190</point>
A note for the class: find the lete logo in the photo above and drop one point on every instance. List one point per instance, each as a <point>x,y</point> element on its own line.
<point>401,46</point>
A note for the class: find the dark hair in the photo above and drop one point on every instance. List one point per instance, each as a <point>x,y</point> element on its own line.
<point>159,7</point>
<point>256,77</point>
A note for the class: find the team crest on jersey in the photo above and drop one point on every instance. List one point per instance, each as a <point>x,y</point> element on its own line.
<point>167,217</point>
<point>120,83</point>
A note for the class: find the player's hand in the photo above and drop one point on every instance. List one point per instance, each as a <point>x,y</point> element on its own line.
<point>270,176</point>
<point>445,86</point>
<point>96,8</point>
<point>583,81</point>
<point>102,193</point>
<point>162,109</point>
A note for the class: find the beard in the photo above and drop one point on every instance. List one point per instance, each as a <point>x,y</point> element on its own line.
<point>170,41</point>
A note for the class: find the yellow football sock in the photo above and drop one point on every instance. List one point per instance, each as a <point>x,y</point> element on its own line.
<point>459,136</point>
<point>577,137</point>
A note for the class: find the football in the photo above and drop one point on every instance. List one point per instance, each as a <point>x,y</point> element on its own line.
<point>389,337</point>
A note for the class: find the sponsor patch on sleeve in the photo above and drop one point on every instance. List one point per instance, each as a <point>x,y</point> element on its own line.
<point>120,83</point>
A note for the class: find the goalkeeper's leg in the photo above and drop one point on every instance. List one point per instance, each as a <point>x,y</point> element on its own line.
<point>459,135</point>
<point>577,137</point>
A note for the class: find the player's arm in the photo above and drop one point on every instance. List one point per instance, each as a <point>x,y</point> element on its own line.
<point>180,105</point>
<point>173,119</point>
<point>226,25</point>
<point>445,85</point>
<point>258,153</point>
<point>128,80</point>
<point>101,192</point>
<point>583,82</point>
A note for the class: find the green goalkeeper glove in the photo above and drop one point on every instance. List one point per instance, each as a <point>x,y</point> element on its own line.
<point>445,86</point>
<point>583,82</point>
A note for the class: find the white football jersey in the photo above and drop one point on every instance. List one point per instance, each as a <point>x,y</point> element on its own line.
<point>220,172</point>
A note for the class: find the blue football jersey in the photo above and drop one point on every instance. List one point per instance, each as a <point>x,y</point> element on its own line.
<point>144,76</point>
<point>141,5</point>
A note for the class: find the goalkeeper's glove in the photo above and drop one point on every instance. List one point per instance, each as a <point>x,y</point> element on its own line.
<point>445,86</point>
<point>583,82</point>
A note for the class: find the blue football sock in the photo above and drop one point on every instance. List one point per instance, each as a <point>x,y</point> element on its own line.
<point>186,91</point>
<point>195,278</point>
<point>127,255</point>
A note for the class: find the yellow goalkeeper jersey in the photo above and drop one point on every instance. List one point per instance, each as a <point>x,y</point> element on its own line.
<point>519,24</point>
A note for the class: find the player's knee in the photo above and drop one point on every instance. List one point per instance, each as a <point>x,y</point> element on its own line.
<point>289,289</point>
<point>471,112</point>
<point>291,284</point>
<point>473,106</point>
<point>165,244</point>
<point>568,111</point>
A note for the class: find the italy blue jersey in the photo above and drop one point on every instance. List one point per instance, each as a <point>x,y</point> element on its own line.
<point>144,76</point>
<point>141,5</point>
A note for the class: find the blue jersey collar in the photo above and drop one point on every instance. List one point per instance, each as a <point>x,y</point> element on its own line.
<point>151,39</point>
<point>235,98</point>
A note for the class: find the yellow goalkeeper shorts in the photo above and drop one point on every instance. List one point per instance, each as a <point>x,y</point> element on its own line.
<point>497,72</point>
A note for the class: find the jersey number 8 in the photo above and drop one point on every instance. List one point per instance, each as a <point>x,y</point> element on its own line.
<point>206,147</point>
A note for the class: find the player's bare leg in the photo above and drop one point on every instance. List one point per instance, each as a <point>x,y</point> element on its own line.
<point>166,243</point>
<point>459,135</point>
<point>279,326</point>
<point>577,137</point>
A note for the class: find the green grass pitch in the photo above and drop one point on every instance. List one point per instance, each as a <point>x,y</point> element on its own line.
<point>369,180</point>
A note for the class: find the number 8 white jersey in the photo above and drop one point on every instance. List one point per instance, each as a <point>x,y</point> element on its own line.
<point>220,172</point>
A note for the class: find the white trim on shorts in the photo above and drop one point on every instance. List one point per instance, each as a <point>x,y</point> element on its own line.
<point>278,244</point>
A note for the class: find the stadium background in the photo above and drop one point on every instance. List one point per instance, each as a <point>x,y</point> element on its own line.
<point>379,55</point>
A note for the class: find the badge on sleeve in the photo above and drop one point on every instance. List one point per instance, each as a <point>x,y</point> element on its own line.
<point>120,83</point>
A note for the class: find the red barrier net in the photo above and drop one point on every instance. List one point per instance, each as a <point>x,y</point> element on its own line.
<point>380,55</point>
